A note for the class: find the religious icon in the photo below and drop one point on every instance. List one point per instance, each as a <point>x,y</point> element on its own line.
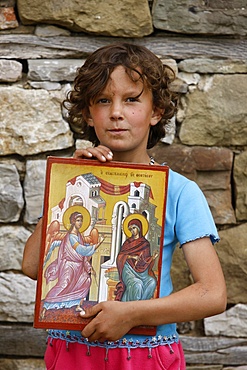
<point>102,238</point>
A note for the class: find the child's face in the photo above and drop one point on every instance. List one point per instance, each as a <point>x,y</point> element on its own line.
<point>122,115</point>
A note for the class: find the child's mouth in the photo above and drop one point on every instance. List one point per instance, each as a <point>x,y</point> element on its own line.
<point>117,130</point>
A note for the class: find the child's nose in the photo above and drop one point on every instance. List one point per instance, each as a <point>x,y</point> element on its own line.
<point>117,111</point>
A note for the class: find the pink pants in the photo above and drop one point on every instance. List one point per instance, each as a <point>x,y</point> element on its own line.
<point>77,357</point>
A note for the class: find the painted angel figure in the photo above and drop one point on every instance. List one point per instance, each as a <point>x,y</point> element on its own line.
<point>71,269</point>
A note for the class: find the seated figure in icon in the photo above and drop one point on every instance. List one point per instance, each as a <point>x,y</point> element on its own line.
<point>135,265</point>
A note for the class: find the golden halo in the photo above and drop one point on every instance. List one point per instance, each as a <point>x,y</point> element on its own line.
<point>85,214</point>
<point>134,216</point>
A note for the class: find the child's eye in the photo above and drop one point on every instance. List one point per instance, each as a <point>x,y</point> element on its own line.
<point>102,101</point>
<point>133,99</point>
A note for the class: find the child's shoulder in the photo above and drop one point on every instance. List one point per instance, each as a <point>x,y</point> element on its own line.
<point>178,180</point>
<point>180,185</point>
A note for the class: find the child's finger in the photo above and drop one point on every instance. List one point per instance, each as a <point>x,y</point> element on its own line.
<point>102,153</point>
<point>82,153</point>
<point>106,152</point>
<point>90,311</point>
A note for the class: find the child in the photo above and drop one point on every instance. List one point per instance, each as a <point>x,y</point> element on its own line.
<point>121,103</point>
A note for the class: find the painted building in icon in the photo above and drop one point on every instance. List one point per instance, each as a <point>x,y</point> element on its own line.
<point>82,190</point>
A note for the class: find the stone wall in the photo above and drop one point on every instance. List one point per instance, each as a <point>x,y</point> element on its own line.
<point>42,43</point>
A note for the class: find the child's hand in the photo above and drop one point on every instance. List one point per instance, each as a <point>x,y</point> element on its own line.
<point>111,320</point>
<point>102,153</point>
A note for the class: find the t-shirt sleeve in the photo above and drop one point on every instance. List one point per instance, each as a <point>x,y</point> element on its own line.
<point>194,218</point>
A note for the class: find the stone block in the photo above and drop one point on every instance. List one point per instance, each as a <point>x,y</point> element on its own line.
<point>232,253</point>
<point>214,17</point>
<point>53,70</point>
<point>231,323</point>
<point>24,364</point>
<point>111,18</point>
<point>216,112</point>
<point>240,180</point>
<point>204,65</point>
<point>12,241</point>
<point>7,18</point>
<point>34,185</point>
<point>17,297</point>
<point>31,121</point>
<point>10,70</point>
<point>11,198</point>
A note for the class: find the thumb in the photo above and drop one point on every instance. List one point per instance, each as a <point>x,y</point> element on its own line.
<point>90,311</point>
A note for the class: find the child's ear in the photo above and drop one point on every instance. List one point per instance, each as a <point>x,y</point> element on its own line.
<point>87,118</point>
<point>156,115</point>
<point>89,121</point>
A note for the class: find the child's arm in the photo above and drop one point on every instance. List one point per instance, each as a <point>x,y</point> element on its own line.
<point>205,297</point>
<point>30,261</point>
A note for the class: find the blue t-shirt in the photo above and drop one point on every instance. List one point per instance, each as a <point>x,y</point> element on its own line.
<point>188,218</point>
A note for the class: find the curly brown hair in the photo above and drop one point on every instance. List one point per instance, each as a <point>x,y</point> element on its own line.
<point>93,76</point>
